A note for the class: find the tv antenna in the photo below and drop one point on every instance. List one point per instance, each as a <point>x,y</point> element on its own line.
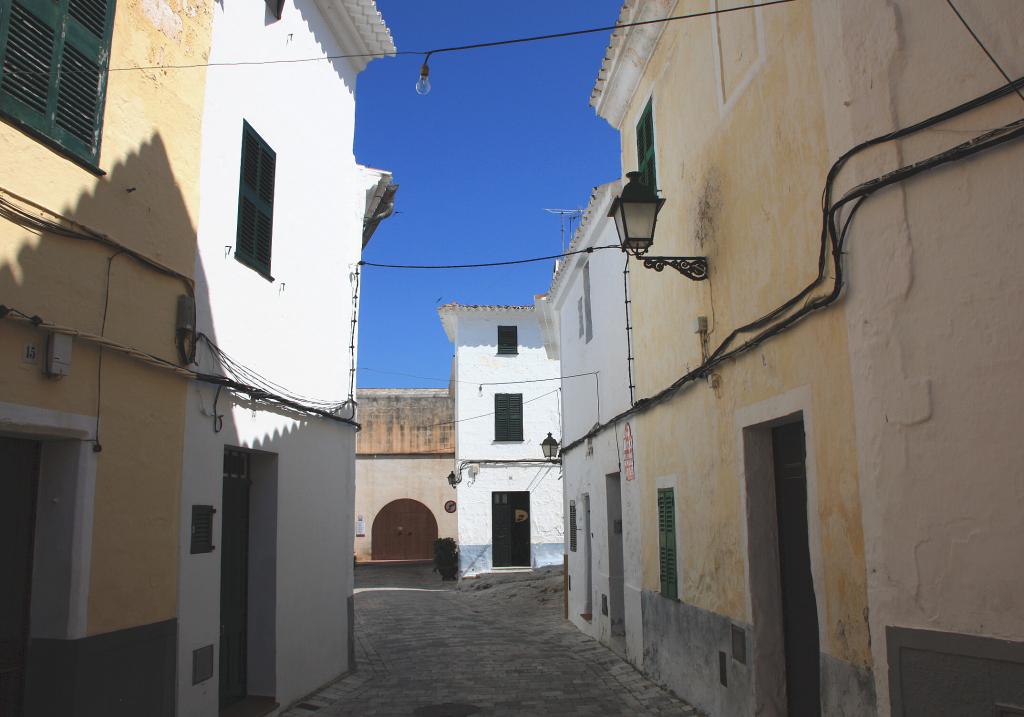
<point>566,215</point>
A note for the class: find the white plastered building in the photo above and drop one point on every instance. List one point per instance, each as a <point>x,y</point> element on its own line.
<point>285,212</point>
<point>585,327</point>
<point>509,498</point>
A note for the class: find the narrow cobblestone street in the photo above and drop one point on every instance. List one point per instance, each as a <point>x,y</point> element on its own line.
<point>426,649</point>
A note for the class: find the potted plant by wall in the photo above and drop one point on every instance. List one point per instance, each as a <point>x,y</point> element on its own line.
<point>446,558</point>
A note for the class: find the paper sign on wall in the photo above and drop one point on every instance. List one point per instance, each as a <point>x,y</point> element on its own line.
<point>360,527</point>
<point>627,452</point>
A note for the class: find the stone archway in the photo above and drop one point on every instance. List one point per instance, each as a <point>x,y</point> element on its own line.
<point>404,529</point>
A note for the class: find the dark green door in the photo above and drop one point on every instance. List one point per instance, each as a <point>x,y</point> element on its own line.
<point>18,475</point>
<point>234,577</point>
<point>510,529</point>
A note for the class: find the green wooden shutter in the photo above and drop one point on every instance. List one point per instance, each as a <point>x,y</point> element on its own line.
<point>667,542</point>
<point>508,340</point>
<point>256,202</point>
<point>53,73</point>
<point>501,416</point>
<point>515,417</point>
<point>645,147</point>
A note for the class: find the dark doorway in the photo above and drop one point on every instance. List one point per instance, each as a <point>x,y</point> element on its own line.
<point>234,577</point>
<point>18,488</point>
<point>510,529</point>
<point>799,607</point>
<point>404,529</point>
<point>616,589</point>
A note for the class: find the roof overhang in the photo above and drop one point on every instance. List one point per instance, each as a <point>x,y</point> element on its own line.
<point>450,314</point>
<point>629,51</point>
<point>359,29</point>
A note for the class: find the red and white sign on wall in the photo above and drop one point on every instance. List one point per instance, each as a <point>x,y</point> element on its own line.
<point>627,452</point>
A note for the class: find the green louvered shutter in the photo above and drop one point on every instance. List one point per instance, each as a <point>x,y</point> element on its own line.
<point>501,416</point>
<point>667,542</point>
<point>53,73</point>
<point>256,202</point>
<point>645,147</point>
<point>515,417</point>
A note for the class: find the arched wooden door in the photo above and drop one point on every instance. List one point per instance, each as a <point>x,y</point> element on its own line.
<point>404,529</point>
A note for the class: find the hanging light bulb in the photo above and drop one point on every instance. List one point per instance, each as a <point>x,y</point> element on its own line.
<point>423,84</point>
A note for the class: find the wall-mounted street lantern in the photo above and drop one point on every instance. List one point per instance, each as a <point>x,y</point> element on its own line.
<point>635,212</point>
<point>550,447</point>
<point>454,480</point>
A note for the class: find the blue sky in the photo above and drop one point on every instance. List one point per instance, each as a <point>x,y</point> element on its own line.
<point>504,133</point>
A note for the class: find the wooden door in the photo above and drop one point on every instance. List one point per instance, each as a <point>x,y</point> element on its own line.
<point>18,487</point>
<point>510,529</point>
<point>234,578</point>
<point>799,607</point>
<point>404,529</point>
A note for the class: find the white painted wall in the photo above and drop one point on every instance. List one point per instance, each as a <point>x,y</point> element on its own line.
<point>478,362</point>
<point>586,468</point>
<point>294,331</point>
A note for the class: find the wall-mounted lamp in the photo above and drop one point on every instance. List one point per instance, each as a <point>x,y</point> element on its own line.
<point>454,480</point>
<point>635,212</point>
<point>550,447</point>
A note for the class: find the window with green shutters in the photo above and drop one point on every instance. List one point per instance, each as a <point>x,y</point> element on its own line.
<point>508,340</point>
<point>667,542</point>
<point>645,147</point>
<point>508,416</point>
<point>53,70</point>
<point>255,202</point>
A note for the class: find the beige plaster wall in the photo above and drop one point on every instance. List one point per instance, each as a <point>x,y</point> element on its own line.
<point>742,156</point>
<point>936,333</point>
<point>381,479</point>
<point>147,199</point>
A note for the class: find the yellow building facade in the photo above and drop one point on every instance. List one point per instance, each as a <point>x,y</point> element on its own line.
<point>761,397</point>
<point>99,191</point>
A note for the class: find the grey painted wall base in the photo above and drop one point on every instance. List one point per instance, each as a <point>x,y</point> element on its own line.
<point>681,646</point>
<point>477,558</point>
<point>846,689</point>
<point>681,651</point>
<point>127,673</point>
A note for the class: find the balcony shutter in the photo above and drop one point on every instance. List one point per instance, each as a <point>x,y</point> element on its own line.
<point>501,416</point>
<point>572,526</point>
<point>53,73</point>
<point>515,417</point>
<point>256,202</point>
<point>202,529</point>
<point>667,542</point>
<point>645,147</point>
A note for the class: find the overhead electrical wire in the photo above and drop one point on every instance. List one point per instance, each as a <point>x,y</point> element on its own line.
<point>485,415</point>
<point>481,265</point>
<point>833,235</point>
<point>981,44</point>
<point>437,51</point>
<point>477,383</point>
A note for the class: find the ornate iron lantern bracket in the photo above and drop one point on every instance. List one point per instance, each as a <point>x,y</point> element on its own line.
<point>692,267</point>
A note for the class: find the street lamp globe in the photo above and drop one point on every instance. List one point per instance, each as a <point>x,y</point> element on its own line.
<point>635,212</point>
<point>550,447</point>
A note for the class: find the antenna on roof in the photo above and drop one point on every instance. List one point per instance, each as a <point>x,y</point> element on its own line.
<point>563,214</point>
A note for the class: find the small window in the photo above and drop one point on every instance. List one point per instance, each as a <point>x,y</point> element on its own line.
<point>667,542</point>
<point>645,147</point>
<point>508,340</point>
<point>202,529</point>
<point>53,70</point>
<point>588,318</point>
<point>256,202</point>
<point>275,8</point>
<point>508,416</point>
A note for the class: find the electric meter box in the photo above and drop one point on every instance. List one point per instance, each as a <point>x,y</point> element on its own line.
<point>58,355</point>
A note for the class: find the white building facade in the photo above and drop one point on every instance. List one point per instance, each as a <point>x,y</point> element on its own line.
<point>585,327</point>
<point>509,498</point>
<point>267,493</point>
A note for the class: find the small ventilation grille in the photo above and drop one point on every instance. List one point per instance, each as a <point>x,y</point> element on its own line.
<point>202,529</point>
<point>572,526</point>
<point>26,75</point>
<point>78,95</point>
<point>91,13</point>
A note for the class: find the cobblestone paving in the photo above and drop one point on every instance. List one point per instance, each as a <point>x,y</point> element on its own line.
<point>447,653</point>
